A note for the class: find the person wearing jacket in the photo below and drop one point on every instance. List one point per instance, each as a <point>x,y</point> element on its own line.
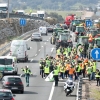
<point>98,77</point>
<point>27,73</point>
<point>55,75</point>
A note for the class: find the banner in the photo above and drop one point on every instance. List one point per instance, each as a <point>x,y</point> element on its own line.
<point>50,78</point>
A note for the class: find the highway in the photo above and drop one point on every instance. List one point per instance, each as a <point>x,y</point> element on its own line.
<point>39,89</point>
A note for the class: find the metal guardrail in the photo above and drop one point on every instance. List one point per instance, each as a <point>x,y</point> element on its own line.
<point>22,36</point>
<point>79,89</point>
<point>12,15</point>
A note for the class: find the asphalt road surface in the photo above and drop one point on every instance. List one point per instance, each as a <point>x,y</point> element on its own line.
<point>39,89</point>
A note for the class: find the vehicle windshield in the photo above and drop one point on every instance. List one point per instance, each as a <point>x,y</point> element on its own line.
<point>70,83</point>
<point>36,34</point>
<point>5,61</point>
<point>12,79</point>
<point>80,29</point>
<point>41,15</point>
<point>98,42</point>
<point>5,94</point>
<point>3,8</point>
<point>94,33</point>
<point>21,13</point>
<point>77,21</point>
<point>63,37</point>
<point>85,40</point>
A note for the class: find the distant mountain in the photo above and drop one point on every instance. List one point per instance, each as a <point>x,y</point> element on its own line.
<point>49,4</point>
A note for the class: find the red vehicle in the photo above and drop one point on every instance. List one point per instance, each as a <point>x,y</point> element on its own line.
<point>68,19</point>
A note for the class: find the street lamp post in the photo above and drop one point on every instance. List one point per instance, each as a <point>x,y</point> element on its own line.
<point>8,10</point>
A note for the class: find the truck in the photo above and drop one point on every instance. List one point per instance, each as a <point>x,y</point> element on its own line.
<point>69,19</point>
<point>4,9</point>
<point>41,14</point>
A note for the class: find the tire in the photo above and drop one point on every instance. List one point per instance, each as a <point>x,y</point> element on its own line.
<point>31,40</point>
<point>51,40</point>
<point>40,40</point>
<point>16,73</point>
<point>22,92</point>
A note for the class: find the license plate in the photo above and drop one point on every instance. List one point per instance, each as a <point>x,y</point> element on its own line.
<point>14,88</point>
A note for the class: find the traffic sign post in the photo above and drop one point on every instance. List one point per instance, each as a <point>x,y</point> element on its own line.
<point>88,23</point>
<point>22,23</point>
<point>95,54</point>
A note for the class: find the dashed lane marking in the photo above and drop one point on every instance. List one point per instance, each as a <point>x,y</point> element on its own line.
<point>35,54</point>
<point>31,60</point>
<point>52,49</point>
<point>39,49</point>
<point>45,43</point>
<point>28,39</point>
<point>42,46</point>
<point>47,40</point>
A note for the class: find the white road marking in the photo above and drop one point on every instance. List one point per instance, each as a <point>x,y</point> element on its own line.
<point>28,39</point>
<point>31,60</point>
<point>39,49</point>
<point>45,43</point>
<point>52,90</point>
<point>35,54</point>
<point>52,49</point>
<point>41,46</point>
<point>47,40</point>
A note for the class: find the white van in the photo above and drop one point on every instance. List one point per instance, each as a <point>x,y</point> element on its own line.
<point>43,30</point>
<point>8,65</point>
<point>19,49</point>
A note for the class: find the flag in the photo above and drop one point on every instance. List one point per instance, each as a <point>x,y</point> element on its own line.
<point>50,78</point>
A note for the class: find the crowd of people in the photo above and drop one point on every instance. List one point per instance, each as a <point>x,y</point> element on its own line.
<point>69,63</point>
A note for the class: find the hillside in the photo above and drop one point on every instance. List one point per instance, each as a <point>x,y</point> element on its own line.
<point>50,4</point>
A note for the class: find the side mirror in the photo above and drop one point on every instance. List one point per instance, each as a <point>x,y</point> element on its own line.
<point>28,48</point>
<point>14,95</point>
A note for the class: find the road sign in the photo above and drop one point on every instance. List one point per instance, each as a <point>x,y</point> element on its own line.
<point>22,22</point>
<point>88,23</point>
<point>95,54</point>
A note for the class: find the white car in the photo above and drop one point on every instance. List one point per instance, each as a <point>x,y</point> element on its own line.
<point>36,36</point>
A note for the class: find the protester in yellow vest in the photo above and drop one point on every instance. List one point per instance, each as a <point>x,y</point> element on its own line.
<point>98,77</point>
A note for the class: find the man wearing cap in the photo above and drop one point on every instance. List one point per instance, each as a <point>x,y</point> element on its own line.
<point>27,73</point>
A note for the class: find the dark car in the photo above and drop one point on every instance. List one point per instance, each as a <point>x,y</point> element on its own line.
<point>64,40</point>
<point>14,83</point>
<point>6,94</point>
<point>50,29</point>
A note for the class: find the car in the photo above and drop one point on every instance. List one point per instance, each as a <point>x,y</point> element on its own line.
<point>6,94</point>
<point>50,29</point>
<point>36,36</point>
<point>14,83</point>
<point>8,65</point>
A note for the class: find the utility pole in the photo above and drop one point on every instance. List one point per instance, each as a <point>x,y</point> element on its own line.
<point>8,10</point>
